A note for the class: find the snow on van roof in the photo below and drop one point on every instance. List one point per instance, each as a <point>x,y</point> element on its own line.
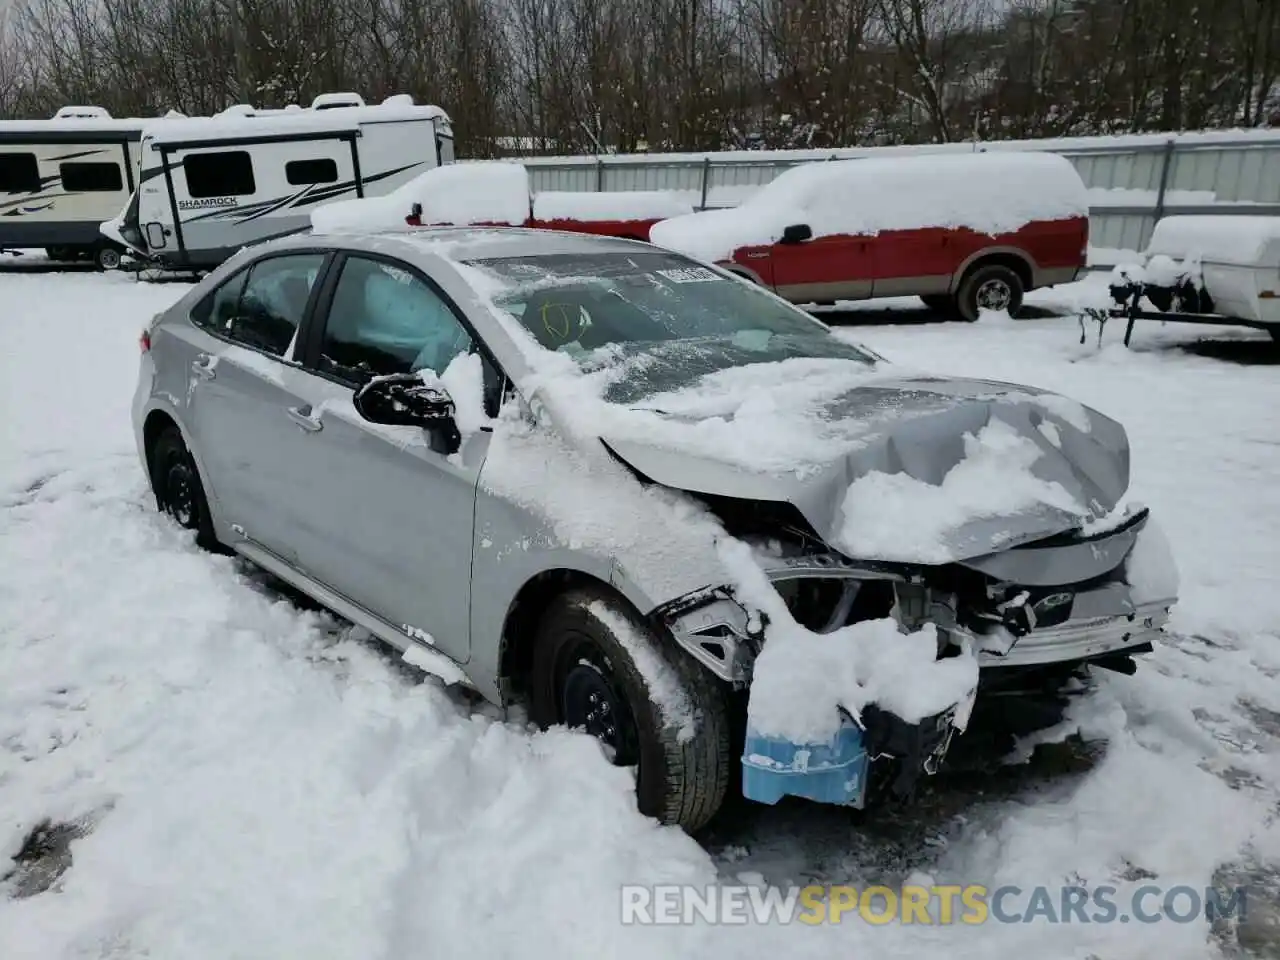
<point>991,193</point>
<point>250,124</point>
<point>1225,239</point>
<point>492,192</point>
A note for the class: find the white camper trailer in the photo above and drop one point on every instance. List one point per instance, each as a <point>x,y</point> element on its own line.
<point>60,178</point>
<point>209,186</point>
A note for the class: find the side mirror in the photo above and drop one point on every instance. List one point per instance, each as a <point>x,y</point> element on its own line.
<point>403,399</point>
<point>797,233</point>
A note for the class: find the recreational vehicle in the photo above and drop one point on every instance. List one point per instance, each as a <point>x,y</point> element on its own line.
<point>60,178</point>
<point>209,186</point>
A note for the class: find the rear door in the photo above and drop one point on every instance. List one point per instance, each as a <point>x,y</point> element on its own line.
<point>920,261</point>
<point>243,393</point>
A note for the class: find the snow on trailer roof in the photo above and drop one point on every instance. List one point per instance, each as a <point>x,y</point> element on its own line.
<point>1243,240</point>
<point>990,193</point>
<point>78,124</point>
<point>243,124</point>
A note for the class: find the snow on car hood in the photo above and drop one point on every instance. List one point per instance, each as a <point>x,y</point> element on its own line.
<point>905,468</point>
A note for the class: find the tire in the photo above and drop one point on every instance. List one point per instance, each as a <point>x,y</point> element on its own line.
<point>682,775</point>
<point>175,480</point>
<point>106,257</point>
<point>1275,333</point>
<point>993,287</point>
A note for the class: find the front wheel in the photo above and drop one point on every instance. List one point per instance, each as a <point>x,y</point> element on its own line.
<point>991,287</point>
<point>597,667</point>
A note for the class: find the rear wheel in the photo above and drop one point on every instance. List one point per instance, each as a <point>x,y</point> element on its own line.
<point>990,287</point>
<point>598,667</point>
<point>176,484</point>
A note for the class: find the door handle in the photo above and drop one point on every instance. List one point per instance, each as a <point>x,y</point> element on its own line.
<point>203,366</point>
<point>304,418</point>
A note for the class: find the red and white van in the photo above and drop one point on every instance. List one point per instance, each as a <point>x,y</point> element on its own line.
<point>965,232</point>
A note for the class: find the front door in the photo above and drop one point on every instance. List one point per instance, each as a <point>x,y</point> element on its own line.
<point>824,269</point>
<point>393,512</point>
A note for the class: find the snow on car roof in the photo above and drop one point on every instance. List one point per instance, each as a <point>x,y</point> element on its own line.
<point>460,193</point>
<point>1233,239</point>
<point>988,192</point>
<point>286,122</point>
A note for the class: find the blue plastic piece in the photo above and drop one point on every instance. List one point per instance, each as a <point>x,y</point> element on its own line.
<point>834,771</point>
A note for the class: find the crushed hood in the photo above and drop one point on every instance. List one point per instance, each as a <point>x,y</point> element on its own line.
<point>917,426</point>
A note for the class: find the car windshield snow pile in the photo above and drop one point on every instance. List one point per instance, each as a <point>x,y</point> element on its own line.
<point>686,319</point>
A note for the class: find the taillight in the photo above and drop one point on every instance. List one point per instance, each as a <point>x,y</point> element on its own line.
<point>144,341</point>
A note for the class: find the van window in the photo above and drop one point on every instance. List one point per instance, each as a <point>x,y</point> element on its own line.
<point>301,172</point>
<point>91,177</point>
<point>19,173</point>
<point>227,173</point>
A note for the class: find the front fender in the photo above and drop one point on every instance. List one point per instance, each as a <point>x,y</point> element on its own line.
<point>512,546</point>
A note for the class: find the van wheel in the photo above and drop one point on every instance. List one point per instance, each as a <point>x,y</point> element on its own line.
<point>991,287</point>
<point>599,668</point>
<point>176,484</point>
<point>106,257</point>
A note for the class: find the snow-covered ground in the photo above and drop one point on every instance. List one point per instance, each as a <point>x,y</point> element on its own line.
<point>239,777</point>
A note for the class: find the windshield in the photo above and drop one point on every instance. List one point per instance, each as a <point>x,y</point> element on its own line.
<point>650,302</point>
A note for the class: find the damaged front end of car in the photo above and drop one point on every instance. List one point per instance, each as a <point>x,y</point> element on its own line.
<point>1034,615</point>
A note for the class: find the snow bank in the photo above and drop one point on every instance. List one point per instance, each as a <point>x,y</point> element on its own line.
<point>1241,240</point>
<point>893,516</point>
<point>991,193</point>
<point>618,205</point>
<point>460,193</point>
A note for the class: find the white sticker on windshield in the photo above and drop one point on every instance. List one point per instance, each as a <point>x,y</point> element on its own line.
<point>689,275</point>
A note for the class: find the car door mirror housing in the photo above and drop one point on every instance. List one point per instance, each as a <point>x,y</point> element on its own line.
<point>797,233</point>
<point>405,399</point>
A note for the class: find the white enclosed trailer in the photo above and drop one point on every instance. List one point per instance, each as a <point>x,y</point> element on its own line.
<point>209,186</point>
<point>1205,269</point>
<point>60,178</point>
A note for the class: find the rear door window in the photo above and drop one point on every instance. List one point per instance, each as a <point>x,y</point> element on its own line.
<point>217,310</point>
<point>263,306</point>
